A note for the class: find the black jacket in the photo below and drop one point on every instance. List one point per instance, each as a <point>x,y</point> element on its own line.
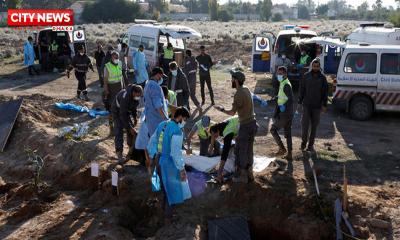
<point>206,61</point>
<point>99,56</point>
<point>106,59</point>
<point>181,87</point>
<point>313,91</point>
<point>125,106</point>
<point>81,63</point>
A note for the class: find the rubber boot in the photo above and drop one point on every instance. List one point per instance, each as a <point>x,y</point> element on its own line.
<point>242,178</point>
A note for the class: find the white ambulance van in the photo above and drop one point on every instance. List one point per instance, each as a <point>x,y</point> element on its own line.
<point>266,49</point>
<point>374,33</point>
<point>368,80</point>
<point>154,37</point>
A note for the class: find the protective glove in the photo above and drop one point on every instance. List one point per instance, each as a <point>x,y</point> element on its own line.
<point>282,108</point>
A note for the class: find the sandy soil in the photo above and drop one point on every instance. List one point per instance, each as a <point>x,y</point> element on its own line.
<point>280,204</point>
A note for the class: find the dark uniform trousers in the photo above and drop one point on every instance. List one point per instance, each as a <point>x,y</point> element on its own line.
<point>119,134</point>
<point>206,79</point>
<point>81,77</point>
<point>192,86</point>
<point>244,145</point>
<point>310,116</point>
<point>283,121</point>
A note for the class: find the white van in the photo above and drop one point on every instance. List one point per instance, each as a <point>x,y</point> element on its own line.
<point>154,37</point>
<point>368,80</point>
<point>374,33</point>
<point>266,49</point>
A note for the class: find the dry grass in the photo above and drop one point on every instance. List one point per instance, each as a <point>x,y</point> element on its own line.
<point>230,34</point>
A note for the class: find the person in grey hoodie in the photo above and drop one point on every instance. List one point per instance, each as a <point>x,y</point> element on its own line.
<point>313,95</point>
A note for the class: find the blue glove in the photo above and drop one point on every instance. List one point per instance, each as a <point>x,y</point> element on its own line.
<point>264,103</point>
<point>282,108</point>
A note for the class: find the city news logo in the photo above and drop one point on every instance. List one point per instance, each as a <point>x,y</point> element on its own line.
<point>58,19</point>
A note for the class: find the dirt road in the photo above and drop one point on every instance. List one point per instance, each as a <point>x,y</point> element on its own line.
<point>281,204</point>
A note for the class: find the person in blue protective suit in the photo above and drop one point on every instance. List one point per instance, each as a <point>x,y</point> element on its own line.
<point>154,102</point>
<point>166,145</point>
<point>29,56</point>
<point>140,66</point>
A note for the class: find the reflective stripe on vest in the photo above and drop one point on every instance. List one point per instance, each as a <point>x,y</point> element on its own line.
<point>114,73</point>
<point>161,138</point>
<point>232,127</point>
<point>168,53</point>
<point>282,98</point>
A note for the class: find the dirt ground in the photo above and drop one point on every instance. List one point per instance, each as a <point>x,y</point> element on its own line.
<point>280,204</point>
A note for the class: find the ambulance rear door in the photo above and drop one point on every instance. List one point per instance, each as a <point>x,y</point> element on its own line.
<point>78,39</point>
<point>262,48</point>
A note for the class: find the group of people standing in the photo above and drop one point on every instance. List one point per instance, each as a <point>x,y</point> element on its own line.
<point>165,96</point>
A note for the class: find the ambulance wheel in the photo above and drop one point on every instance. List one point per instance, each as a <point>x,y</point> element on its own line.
<point>361,108</point>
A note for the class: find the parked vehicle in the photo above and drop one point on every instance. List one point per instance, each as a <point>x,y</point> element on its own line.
<point>154,37</point>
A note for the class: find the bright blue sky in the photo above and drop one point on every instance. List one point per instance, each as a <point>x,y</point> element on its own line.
<point>354,3</point>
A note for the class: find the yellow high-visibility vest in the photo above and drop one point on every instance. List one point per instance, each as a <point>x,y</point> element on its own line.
<point>232,127</point>
<point>168,53</point>
<point>114,73</point>
<point>282,98</point>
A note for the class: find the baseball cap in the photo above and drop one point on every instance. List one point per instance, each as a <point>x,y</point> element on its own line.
<point>115,52</point>
<point>237,74</point>
<point>158,70</point>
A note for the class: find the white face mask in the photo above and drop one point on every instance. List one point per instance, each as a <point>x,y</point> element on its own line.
<point>279,77</point>
<point>115,61</point>
<point>182,124</point>
<point>174,73</point>
<point>137,98</point>
<point>283,56</point>
<point>81,53</point>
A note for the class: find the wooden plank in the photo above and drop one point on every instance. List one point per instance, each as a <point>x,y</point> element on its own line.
<point>8,115</point>
<point>230,228</point>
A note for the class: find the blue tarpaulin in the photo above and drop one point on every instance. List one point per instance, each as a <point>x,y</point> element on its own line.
<point>82,109</point>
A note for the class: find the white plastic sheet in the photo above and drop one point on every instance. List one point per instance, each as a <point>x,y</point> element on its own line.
<point>206,164</point>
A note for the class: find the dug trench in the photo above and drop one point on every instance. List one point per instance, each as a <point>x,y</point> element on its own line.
<point>69,203</point>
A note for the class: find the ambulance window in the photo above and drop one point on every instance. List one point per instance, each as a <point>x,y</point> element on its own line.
<point>360,63</point>
<point>134,41</point>
<point>390,63</point>
<point>148,43</point>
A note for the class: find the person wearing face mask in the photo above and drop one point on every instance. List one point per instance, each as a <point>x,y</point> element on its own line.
<point>81,63</point>
<point>178,83</point>
<point>155,108</point>
<point>283,115</point>
<point>243,105</point>
<point>165,148</point>
<point>313,96</point>
<point>140,66</point>
<point>123,109</point>
<point>29,56</point>
<point>168,57</point>
<point>113,83</point>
